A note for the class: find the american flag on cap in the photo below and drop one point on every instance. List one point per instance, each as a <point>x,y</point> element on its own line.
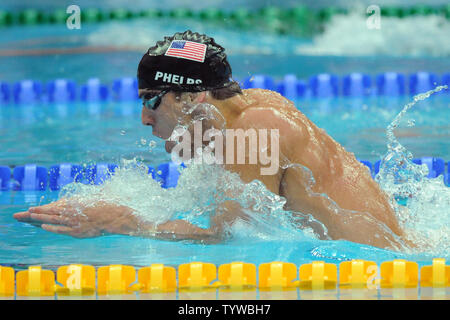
<point>187,50</point>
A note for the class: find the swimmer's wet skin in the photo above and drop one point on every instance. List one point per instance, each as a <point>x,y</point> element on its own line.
<point>343,196</point>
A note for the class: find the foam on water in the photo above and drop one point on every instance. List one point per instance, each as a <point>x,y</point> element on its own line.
<point>348,35</point>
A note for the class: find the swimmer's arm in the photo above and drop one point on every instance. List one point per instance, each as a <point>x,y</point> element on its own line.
<point>64,217</point>
<point>169,230</point>
<point>177,230</point>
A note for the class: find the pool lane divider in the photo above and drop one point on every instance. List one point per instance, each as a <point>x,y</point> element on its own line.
<point>325,85</point>
<point>32,177</point>
<point>80,280</point>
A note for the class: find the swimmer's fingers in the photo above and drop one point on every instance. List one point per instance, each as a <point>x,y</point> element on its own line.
<point>58,229</point>
<point>57,207</point>
<point>52,219</point>
<point>24,216</point>
<point>37,219</point>
<point>46,210</point>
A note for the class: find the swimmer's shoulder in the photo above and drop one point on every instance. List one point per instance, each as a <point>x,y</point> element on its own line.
<point>266,109</point>
<point>269,109</point>
<point>270,103</point>
<point>263,98</point>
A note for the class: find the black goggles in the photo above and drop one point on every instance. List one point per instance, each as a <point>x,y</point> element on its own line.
<point>152,102</point>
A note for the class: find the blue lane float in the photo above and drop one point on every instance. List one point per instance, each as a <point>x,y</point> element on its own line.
<point>446,80</point>
<point>422,82</point>
<point>167,174</point>
<point>319,86</point>
<point>4,92</point>
<point>324,85</point>
<point>64,173</point>
<point>5,177</point>
<point>32,177</point>
<point>98,173</point>
<point>125,89</point>
<point>61,90</point>
<point>259,81</point>
<point>291,87</point>
<point>94,91</point>
<point>390,84</point>
<point>27,91</point>
<point>356,85</point>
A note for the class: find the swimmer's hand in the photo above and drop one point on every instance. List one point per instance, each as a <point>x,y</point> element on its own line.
<point>80,221</point>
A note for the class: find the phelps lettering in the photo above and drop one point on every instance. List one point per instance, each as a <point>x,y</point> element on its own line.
<point>175,78</point>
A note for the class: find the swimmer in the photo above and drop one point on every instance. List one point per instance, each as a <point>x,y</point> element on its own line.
<point>189,69</point>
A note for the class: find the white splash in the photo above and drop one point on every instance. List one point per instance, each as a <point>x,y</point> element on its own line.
<point>426,216</point>
<point>348,35</point>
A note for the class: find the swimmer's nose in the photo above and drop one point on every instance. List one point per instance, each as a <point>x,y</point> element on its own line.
<point>146,117</point>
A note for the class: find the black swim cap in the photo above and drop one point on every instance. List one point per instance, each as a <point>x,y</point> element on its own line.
<point>187,61</point>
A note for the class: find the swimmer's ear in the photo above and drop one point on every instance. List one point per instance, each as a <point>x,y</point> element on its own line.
<point>200,97</point>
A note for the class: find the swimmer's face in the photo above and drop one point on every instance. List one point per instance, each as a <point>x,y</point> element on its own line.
<point>166,116</point>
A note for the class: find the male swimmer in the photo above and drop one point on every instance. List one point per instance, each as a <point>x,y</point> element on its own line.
<point>189,69</point>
